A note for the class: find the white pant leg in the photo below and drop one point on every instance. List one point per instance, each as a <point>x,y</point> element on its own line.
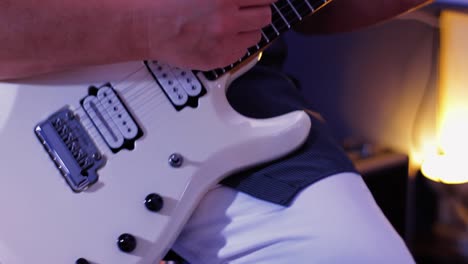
<point>335,220</point>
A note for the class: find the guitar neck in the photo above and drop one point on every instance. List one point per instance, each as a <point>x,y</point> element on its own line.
<point>285,14</point>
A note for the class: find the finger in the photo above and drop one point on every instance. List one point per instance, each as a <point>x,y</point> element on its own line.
<point>243,41</point>
<point>253,19</point>
<point>250,3</point>
<point>249,39</point>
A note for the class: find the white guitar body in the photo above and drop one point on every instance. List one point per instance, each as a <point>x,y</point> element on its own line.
<point>42,220</point>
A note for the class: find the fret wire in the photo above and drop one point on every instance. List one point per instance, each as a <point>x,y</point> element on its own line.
<point>295,11</point>
<point>286,10</point>
<point>289,9</point>
<point>270,32</point>
<point>262,44</point>
<point>286,13</point>
<point>309,5</point>
<point>281,15</point>
<point>214,74</point>
<point>276,18</point>
<point>282,4</point>
<point>301,7</point>
<point>275,29</point>
<point>219,71</point>
<point>265,36</point>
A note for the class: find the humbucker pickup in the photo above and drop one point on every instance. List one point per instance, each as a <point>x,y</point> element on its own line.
<point>71,148</point>
<point>111,118</point>
<point>181,86</point>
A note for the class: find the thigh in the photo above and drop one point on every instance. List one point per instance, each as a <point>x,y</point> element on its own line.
<point>334,220</point>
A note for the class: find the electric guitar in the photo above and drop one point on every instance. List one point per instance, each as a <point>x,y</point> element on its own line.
<point>105,164</point>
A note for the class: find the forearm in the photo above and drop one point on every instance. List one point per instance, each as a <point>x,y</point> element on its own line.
<point>348,15</point>
<point>48,35</point>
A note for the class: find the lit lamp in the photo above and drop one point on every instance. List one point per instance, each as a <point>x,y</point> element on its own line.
<point>450,164</point>
<point>448,168</point>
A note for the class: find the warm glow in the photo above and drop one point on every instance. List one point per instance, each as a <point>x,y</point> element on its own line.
<point>450,167</point>
<point>419,153</point>
<point>453,131</point>
<point>260,55</point>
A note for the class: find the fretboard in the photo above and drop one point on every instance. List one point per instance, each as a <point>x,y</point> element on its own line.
<point>285,14</point>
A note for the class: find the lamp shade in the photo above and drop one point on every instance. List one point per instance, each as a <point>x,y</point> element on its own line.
<point>449,165</point>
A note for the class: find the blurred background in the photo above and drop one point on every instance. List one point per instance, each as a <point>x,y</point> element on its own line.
<point>396,96</point>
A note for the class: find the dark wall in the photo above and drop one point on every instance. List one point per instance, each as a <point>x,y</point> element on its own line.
<point>376,84</point>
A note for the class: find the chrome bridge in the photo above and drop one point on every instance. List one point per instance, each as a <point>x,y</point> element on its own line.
<point>70,147</point>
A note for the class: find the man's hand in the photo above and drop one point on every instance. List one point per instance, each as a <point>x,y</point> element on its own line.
<point>50,35</point>
<point>206,34</point>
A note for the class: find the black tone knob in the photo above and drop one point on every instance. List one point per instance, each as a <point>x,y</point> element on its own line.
<point>126,243</point>
<point>154,202</point>
<point>81,261</point>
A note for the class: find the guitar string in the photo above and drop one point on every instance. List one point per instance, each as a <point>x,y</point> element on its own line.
<point>130,87</point>
<point>96,135</point>
<point>287,10</point>
<point>142,111</point>
<point>269,33</point>
<point>141,100</point>
<point>286,7</point>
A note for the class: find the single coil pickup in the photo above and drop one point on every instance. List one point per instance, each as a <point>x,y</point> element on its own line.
<point>71,149</point>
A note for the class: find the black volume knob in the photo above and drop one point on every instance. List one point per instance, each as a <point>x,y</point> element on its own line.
<point>154,202</point>
<point>81,261</point>
<point>126,243</point>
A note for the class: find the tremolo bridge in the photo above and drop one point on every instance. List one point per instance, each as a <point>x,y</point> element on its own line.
<point>72,148</point>
<point>69,143</point>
